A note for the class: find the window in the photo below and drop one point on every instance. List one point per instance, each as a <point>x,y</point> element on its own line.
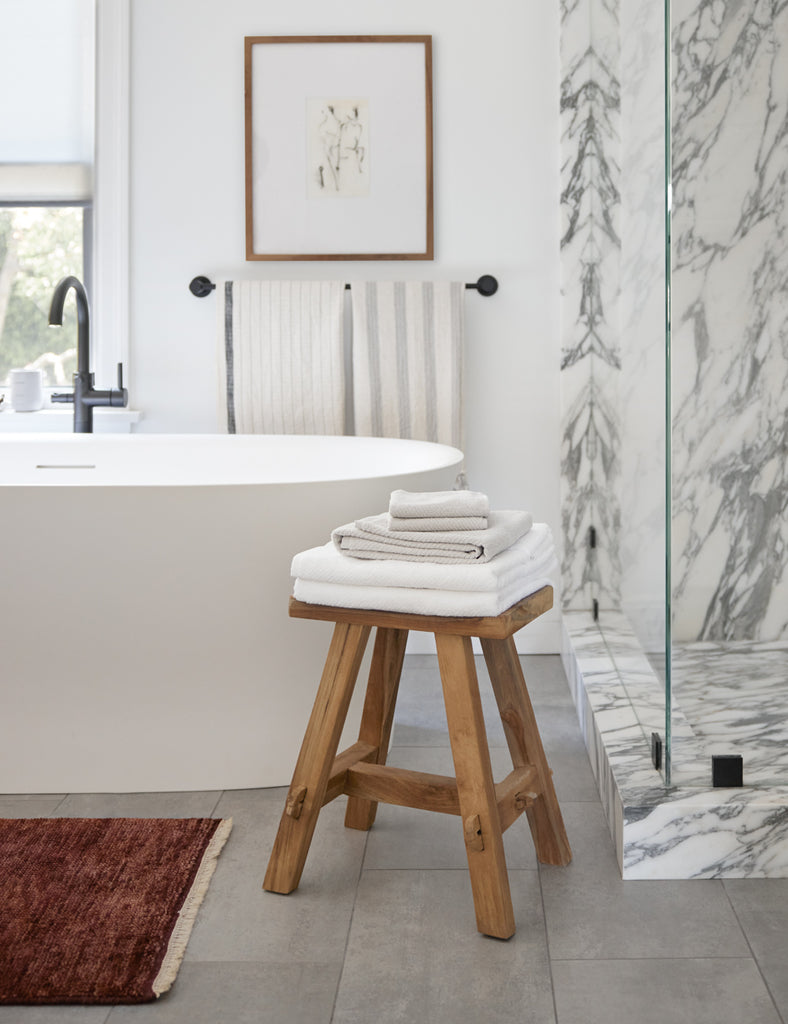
<point>48,65</point>
<point>39,245</point>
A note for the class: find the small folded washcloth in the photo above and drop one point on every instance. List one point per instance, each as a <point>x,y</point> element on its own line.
<point>371,538</point>
<point>437,504</point>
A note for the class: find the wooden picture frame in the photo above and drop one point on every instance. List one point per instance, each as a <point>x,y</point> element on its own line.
<point>339,148</point>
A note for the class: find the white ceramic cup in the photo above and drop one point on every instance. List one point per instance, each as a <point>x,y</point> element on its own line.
<point>27,391</point>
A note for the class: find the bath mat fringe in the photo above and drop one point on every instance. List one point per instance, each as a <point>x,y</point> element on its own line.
<point>181,933</point>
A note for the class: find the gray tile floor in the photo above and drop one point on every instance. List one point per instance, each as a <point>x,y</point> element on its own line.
<point>382,927</point>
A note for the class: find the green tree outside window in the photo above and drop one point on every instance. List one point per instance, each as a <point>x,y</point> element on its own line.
<point>38,246</point>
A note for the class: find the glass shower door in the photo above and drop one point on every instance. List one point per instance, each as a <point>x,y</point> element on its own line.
<point>644,375</point>
<point>729,384</point>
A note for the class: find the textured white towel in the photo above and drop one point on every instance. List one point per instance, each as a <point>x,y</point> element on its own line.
<point>532,555</point>
<point>432,504</point>
<point>371,538</point>
<point>417,602</point>
<point>281,357</point>
<point>407,359</point>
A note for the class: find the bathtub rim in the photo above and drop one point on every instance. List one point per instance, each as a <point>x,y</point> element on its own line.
<point>403,457</point>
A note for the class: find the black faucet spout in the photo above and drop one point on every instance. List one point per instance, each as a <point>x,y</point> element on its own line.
<point>83,317</point>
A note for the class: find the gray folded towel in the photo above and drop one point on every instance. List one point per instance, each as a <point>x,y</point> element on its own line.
<point>441,524</point>
<point>433,504</point>
<point>371,538</point>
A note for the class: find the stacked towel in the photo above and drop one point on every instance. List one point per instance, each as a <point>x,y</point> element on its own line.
<point>422,557</point>
<point>323,575</point>
<point>427,511</point>
<point>372,538</point>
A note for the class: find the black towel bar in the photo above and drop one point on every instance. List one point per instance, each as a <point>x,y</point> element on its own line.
<point>486,285</point>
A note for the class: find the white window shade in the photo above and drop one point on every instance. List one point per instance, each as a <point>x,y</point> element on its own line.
<point>47,71</point>
<point>55,183</point>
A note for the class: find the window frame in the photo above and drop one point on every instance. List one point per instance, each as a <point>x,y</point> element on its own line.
<point>106,220</point>
<point>110,295</point>
<point>87,254</point>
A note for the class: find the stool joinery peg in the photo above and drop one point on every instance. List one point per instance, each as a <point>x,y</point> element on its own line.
<point>485,809</point>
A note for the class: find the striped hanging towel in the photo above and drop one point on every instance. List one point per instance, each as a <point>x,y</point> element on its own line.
<point>407,359</point>
<point>281,357</point>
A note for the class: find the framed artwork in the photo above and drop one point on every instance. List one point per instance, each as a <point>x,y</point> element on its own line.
<point>338,148</point>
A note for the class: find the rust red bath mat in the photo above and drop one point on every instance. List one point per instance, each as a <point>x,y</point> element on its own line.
<point>99,910</point>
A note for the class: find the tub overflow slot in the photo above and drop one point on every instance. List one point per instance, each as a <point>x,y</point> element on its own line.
<point>63,466</point>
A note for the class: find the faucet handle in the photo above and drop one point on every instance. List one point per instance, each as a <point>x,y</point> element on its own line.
<point>118,397</point>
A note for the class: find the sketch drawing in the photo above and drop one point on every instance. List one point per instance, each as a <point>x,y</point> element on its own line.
<point>337,148</point>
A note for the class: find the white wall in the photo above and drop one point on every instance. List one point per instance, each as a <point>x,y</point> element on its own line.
<point>496,128</point>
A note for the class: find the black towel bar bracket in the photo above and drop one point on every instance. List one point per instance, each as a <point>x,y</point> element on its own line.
<point>486,285</point>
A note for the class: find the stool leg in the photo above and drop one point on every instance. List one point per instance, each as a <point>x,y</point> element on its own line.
<point>476,789</point>
<point>525,746</point>
<point>378,715</point>
<point>319,747</point>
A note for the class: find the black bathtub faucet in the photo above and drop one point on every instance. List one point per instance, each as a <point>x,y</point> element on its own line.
<point>84,396</point>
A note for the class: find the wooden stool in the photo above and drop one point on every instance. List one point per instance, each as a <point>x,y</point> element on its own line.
<point>485,809</point>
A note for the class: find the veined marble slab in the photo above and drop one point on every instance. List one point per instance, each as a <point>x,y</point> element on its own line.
<point>590,256</point>
<point>730,321</point>
<point>729,101</point>
<point>735,694</point>
<point>688,829</point>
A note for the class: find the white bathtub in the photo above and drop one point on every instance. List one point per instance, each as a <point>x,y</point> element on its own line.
<point>144,638</point>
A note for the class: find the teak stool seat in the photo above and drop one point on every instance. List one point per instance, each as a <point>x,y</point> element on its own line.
<point>485,808</point>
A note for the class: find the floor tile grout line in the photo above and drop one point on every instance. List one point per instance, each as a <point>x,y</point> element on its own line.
<point>649,959</point>
<point>752,951</point>
<point>547,941</point>
<point>219,799</point>
<point>349,926</point>
<point>57,807</point>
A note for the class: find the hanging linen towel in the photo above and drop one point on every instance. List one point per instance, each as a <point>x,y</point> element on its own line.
<point>407,359</point>
<point>281,357</point>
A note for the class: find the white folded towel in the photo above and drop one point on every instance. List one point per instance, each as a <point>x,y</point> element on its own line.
<point>371,538</point>
<point>441,524</point>
<point>418,602</point>
<point>533,555</point>
<point>431,504</point>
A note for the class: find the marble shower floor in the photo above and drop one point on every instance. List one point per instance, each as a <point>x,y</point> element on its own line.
<point>381,928</point>
<point>735,696</point>
<point>727,699</point>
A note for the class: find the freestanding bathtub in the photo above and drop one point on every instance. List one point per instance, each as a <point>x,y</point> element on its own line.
<point>144,638</point>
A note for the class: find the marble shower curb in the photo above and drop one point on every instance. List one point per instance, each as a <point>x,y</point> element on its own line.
<point>689,830</point>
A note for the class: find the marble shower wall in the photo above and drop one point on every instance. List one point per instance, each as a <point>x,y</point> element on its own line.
<point>590,254</point>
<point>730,314</point>
<point>730,319</point>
